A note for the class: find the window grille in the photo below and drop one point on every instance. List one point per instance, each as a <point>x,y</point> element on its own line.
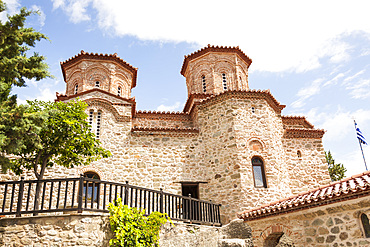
<point>76,89</point>
<point>224,82</point>
<point>98,123</point>
<point>204,84</point>
<point>91,118</point>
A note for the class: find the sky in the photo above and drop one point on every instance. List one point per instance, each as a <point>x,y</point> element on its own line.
<point>314,56</point>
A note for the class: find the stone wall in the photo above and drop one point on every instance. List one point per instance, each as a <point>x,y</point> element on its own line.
<point>94,230</point>
<point>335,224</point>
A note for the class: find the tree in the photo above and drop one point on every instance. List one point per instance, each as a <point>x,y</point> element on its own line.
<point>15,67</point>
<point>60,136</point>
<point>336,171</point>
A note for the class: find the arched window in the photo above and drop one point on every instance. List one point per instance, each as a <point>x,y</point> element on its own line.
<point>76,89</point>
<point>204,84</point>
<point>119,91</point>
<point>365,225</point>
<point>98,123</point>
<point>91,188</point>
<point>224,82</point>
<point>97,84</point>
<point>299,154</point>
<point>258,173</point>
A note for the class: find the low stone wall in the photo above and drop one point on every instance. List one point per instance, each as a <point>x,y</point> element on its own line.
<point>94,230</point>
<point>55,230</point>
<point>336,224</point>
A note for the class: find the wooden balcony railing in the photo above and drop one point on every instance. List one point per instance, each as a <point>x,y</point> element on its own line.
<point>86,194</point>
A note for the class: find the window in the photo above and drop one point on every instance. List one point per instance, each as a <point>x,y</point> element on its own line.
<point>258,173</point>
<point>97,84</point>
<point>98,122</point>
<point>224,82</point>
<point>299,154</point>
<point>365,225</point>
<point>91,189</point>
<point>91,118</point>
<point>119,91</point>
<point>76,89</point>
<point>253,109</point>
<point>204,84</point>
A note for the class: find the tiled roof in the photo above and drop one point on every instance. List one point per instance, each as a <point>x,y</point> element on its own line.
<point>303,133</point>
<point>239,94</point>
<point>112,57</point>
<point>296,120</point>
<point>212,48</point>
<point>351,187</point>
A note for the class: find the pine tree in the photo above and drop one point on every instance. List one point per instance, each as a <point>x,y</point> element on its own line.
<point>336,171</point>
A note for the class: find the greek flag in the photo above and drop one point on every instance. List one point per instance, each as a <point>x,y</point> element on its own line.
<point>360,137</point>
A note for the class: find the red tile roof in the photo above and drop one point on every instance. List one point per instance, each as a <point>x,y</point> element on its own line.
<point>112,57</point>
<point>348,188</point>
<point>212,48</point>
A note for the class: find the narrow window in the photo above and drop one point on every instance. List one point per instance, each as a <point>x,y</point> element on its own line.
<point>98,122</point>
<point>224,83</point>
<point>299,154</point>
<point>253,110</point>
<point>91,118</point>
<point>97,84</point>
<point>365,225</point>
<point>204,84</point>
<point>119,91</point>
<point>76,88</point>
<point>91,189</point>
<point>259,173</point>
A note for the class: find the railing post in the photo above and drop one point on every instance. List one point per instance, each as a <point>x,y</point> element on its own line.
<point>190,208</point>
<point>218,213</point>
<point>126,194</point>
<point>20,197</point>
<point>161,201</point>
<point>80,193</point>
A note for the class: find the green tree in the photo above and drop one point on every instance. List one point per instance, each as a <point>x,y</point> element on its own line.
<point>60,136</point>
<point>336,171</point>
<point>15,67</point>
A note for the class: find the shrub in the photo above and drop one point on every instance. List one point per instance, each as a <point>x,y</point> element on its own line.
<point>132,228</point>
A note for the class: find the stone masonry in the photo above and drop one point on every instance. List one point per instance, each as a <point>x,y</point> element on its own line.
<point>223,126</point>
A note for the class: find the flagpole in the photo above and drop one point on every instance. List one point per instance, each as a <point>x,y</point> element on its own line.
<point>362,151</point>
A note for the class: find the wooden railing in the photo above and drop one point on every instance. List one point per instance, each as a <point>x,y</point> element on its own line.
<point>86,194</point>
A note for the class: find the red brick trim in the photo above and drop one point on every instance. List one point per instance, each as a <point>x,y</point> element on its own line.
<point>210,48</point>
<point>303,133</point>
<point>276,229</point>
<point>296,120</point>
<point>95,56</point>
<point>244,94</point>
<point>108,106</point>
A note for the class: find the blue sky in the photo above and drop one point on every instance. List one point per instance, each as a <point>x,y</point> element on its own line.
<point>314,56</point>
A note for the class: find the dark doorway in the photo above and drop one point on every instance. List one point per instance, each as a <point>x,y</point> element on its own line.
<point>191,207</point>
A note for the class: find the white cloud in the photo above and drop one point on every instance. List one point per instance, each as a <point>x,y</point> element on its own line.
<point>46,95</point>
<point>338,124</point>
<point>42,16</point>
<point>307,92</point>
<point>175,107</point>
<point>12,7</point>
<point>354,161</point>
<point>360,89</point>
<point>76,9</point>
<point>278,35</point>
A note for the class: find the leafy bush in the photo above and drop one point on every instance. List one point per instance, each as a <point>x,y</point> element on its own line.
<point>132,228</point>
